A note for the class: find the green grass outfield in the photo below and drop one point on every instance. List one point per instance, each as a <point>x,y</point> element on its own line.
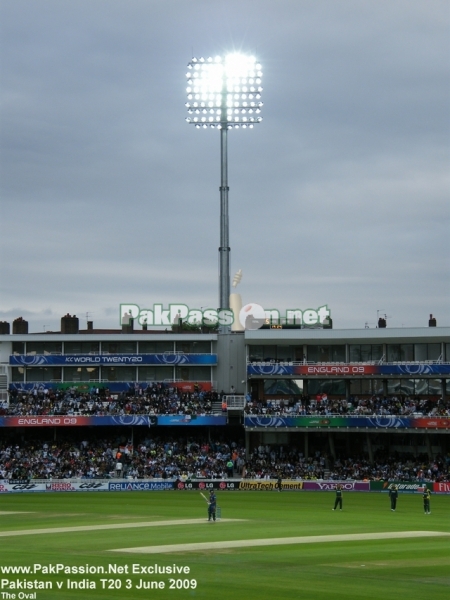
<point>413,568</point>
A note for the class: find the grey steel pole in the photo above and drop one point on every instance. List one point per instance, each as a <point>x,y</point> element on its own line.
<point>224,248</point>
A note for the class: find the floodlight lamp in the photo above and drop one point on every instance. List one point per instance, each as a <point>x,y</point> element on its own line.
<point>220,83</point>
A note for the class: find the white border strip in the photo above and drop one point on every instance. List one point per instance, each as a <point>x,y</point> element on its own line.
<point>312,539</point>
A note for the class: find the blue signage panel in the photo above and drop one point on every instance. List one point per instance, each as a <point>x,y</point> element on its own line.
<point>72,360</point>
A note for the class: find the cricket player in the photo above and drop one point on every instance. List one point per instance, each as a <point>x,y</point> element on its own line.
<point>393,495</point>
<point>212,505</point>
<point>338,500</point>
<point>426,501</point>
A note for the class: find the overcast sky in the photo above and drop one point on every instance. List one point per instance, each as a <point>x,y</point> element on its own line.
<point>339,197</point>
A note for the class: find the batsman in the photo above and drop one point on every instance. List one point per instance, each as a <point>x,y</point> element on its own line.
<point>212,506</point>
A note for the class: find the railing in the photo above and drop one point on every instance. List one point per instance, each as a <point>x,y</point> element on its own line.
<point>235,402</point>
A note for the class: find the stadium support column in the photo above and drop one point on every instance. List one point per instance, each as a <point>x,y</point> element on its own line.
<point>369,447</point>
<point>429,448</point>
<point>331,444</point>
<point>348,392</point>
<point>306,444</point>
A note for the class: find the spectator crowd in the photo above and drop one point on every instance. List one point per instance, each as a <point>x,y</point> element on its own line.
<point>190,458</point>
<point>373,406</point>
<point>157,400</point>
<point>266,463</point>
<point>166,400</point>
<point>105,458</point>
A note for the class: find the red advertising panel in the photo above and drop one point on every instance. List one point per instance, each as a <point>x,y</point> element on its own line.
<point>337,370</point>
<point>442,487</point>
<point>40,421</point>
<point>430,423</point>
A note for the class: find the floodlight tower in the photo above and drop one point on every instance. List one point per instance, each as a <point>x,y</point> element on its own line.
<point>224,93</point>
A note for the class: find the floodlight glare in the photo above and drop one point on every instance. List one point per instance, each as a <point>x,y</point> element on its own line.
<point>217,83</point>
<point>229,89</point>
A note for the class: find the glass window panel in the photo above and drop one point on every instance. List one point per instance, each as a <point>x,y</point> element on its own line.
<point>193,373</point>
<point>366,352</point>
<point>338,387</point>
<point>155,373</point>
<point>278,387</point>
<point>447,354</point>
<point>44,347</point>
<point>421,387</point>
<point>119,373</point>
<point>407,387</point>
<point>420,352</point>
<point>435,387</point>
<point>407,352</point>
<point>81,373</point>
<point>393,386</point>
<point>185,347</point>
<point>434,351</point>
<point>355,387</point>
<point>377,387</point>
<point>337,353</point>
<point>326,386</point>
<point>18,348</point>
<point>81,347</point>
<point>314,353</point>
<point>255,353</point>
<point>43,373</point>
<point>269,352</point>
<point>314,386</point>
<point>35,348</point>
<point>182,373</point>
<point>17,374</point>
<point>298,353</point>
<point>366,387</point>
<point>355,353</point>
<point>285,353</point>
<point>119,347</point>
<point>150,347</point>
<point>297,386</point>
<point>193,347</point>
<point>377,351</point>
<point>201,347</point>
<point>393,353</point>
<point>324,353</point>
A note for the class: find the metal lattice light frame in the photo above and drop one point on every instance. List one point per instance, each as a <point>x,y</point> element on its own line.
<point>224,92</point>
